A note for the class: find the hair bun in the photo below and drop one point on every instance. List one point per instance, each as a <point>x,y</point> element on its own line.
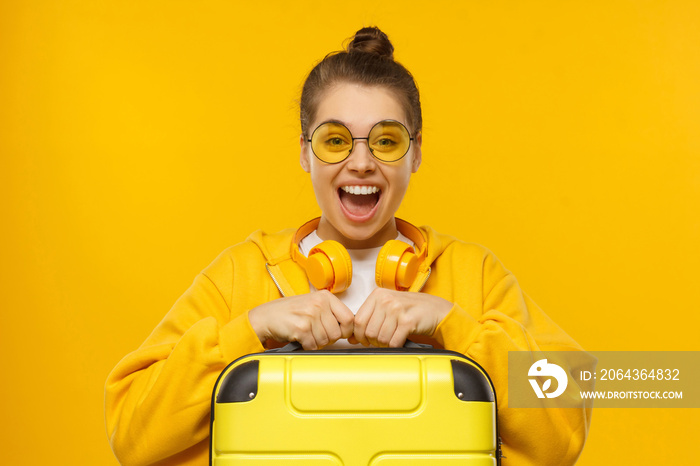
<point>371,40</point>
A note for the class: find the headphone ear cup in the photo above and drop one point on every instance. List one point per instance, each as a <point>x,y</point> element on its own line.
<point>329,267</point>
<point>397,266</point>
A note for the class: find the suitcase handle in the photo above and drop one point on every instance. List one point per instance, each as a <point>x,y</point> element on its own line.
<point>296,346</point>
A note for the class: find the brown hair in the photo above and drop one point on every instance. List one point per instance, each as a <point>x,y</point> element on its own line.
<point>369,60</point>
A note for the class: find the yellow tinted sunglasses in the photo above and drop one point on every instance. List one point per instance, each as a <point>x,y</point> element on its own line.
<point>387,141</point>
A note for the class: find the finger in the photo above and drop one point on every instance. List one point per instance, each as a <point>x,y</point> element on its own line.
<point>307,341</point>
<point>343,317</point>
<point>318,333</point>
<point>352,340</point>
<point>386,332</point>
<point>374,325</point>
<point>399,338</point>
<point>361,319</point>
<point>331,327</point>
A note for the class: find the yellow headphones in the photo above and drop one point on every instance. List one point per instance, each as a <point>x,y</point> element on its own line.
<point>329,267</point>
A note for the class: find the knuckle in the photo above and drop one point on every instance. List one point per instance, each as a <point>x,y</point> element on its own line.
<point>388,302</point>
<point>302,327</point>
<point>317,299</point>
<point>395,305</point>
<point>405,320</point>
<point>314,311</point>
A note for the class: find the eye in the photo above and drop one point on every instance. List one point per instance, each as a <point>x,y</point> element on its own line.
<point>336,142</point>
<point>385,142</point>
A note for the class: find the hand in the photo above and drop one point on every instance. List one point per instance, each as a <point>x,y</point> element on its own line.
<point>388,317</point>
<point>315,320</point>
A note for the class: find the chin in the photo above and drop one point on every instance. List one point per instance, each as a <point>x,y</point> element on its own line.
<point>370,233</point>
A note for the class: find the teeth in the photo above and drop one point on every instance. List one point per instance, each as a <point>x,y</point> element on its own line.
<point>360,189</point>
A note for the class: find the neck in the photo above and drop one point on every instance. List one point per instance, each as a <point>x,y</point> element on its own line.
<point>326,231</point>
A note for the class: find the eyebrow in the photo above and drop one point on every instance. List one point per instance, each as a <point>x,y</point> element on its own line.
<point>332,120</point>
<point>339,122</point>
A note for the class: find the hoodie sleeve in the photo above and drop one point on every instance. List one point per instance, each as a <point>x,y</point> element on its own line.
<point>490,317</point>
<point>158,398</point>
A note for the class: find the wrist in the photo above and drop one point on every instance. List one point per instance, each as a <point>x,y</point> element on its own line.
<point>439,306</point>
<point>443,308</point>
<point>257,323</point>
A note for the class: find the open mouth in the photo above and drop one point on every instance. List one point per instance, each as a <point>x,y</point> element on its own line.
<point>359,202</point>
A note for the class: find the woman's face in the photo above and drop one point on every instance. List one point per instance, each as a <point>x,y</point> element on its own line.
<point>353,219</point>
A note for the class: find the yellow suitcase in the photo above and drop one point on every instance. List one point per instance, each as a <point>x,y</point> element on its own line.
<point>379,407</point>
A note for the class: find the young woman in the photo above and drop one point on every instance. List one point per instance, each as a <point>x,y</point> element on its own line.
<point>317,285</point>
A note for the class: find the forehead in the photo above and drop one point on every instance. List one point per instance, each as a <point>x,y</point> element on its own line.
<point>358,106</point>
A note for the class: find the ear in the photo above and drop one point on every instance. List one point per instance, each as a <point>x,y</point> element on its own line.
<point>304,155</point>
<point>417,152</point>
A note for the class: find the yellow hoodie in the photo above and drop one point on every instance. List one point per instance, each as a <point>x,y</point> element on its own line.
<point>158,398</point>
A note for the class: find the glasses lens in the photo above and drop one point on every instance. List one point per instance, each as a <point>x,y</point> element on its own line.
<point>331,142</point>
<point>389,141</point>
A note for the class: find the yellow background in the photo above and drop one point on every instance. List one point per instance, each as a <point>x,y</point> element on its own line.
<point>139,139</point>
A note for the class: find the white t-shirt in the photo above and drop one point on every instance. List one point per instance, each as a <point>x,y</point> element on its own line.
<point>363,266</point>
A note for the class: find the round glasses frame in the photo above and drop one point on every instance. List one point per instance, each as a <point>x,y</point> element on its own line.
<point>353,139</point>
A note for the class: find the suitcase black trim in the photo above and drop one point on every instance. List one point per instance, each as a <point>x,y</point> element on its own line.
<point>241,384</point>
<point>470,384</point>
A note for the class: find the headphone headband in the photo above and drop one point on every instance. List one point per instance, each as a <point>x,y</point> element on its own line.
<point>414,234</point>
<point>303,231</point>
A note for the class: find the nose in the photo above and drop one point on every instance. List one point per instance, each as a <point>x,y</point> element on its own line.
<point>361,159</point>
